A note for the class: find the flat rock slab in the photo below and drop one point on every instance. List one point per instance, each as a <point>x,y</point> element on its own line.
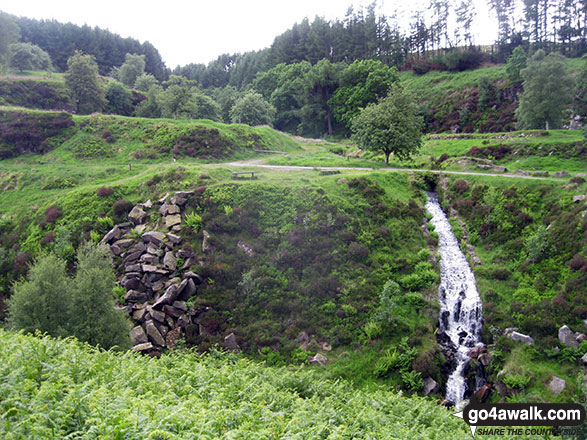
<point>154,334</point>
<point>172,220</point>
<point>138,335</point>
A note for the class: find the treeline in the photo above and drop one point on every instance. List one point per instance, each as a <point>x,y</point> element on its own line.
<point>439,37</point>
<point>61,41</point>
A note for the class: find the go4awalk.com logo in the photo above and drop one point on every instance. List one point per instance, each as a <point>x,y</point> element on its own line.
<point>524,418</point>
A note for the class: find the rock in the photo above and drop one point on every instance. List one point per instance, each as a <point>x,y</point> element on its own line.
<point>197,279</point>
<point>181,305</point>
<point>326,346</point>
<point>148,268</point>
<point>113,234</point>
<point>318,359</point>
<point>206,247</point>
<point>520,337</point>
<point>125,225</point>
<point>303,339</point>
<point>580,198</point>
<point>130,282</point>
<point>248,250</point>
<point>132,268</point>
<point>482,394</point>
<point>154,250</point>
<point>176,229</point>
<point>522,173</point>
<point>172,311</point>
<point>138,335</point>
<point>124,243</point>
<point>184,194</point>
<point>136,296</point>
<point>131,257</point>
<point>149,259</point>
<point>148,204</point>
<point>540,173</point>
<point>485,359</point>
<point>168,297</point>
<point>567,337</point>
<point>178,201</point>
<point>156,314</point>
<point>154,237</point>
<point>580,337</point>
<point>584,360</point>
<point>173,209</point>
<point>499,169</point>
<point>430,386</point>
<point>186,289</point>
<point>230,343</point>
<point>182,253</point>
<point>175,239</point>
<point>183,321</point>
<point>172,337</point>
<point>115,249</point>
<point>169,261</point>
<point>484,166</point>
<point>561,174</point>
<point>137,215</point>
<point>162,199</point>
<point>508,330</point>
<point>143,347</point>
<point>139,314</point>
<point>556,385</point>
<point>172,220</point>
<point>154,334</point>
<point>477,261</point>
<point>474,353</point>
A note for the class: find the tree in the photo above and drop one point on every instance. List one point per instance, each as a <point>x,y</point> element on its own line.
<point>9,33</point>
<point>133,67</point>
<point>119,99</point>
<point>252,109</point>
<point>38,303</point>
<point>361,83</point>
<point>92,316</point>
<point>145,81</point>
<point>516,62</point>
<point>581,91</point>
<point>548,88</point>
<point>52,302</point>
<point>26,56</point>
<point>390,126</point>
<point>206,107</point>
<point>84,84</point>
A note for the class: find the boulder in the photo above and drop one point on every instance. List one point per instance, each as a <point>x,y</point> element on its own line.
<point>138,335</point>
<point>561,174</point>
<point>168,297</point>
<point>124,243</point>
<point>430,386</point>
<point>556,385</point>
<point>540,173</point>
<point>186,289</point>
<point>325,346</point>
<point>173,209</point>
<point>318,359</point>
<point>522,173</point>
<point>136,296</point>
<point>130,282</point>
<point>500,169</point>
<point>172,220</point>
<point>169,261</point>
<point>576,199</point>
<point>181,305</point>
<point>567,337</point>
<point>580,337</point>
<point>172,311</point>
<point>485,359</point>
<point>197,279</point>
<point>137,215</point>
<point>154,237</point>
<point>131,257</point>
<point>247,250</point>
<point>520,337</point>
<point>148,204</point>
<point>154,334</point>
<point>139,314</point>
<point>303,339</point>
<point>149,259</point>
<point>162,199</point>
<point>584,360</point>
<point>184,194</point>
<point>172,337</point>
<point>230,343</point>
<point>147,346</point>
<point>156,314</point>
<point>148,268</point>
<point>113,234</point>
<point>175,239</point>
<point>132,268</point>
<point>509,330</point>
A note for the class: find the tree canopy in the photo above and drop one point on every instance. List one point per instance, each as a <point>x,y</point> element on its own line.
<point>389,126</point>
<point>252,109</point>
<point>548,88</point>
<point>84,84</point>
<point>26,56</point>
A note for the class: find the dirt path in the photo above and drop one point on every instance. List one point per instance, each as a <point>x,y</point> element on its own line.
<point>258,163</point>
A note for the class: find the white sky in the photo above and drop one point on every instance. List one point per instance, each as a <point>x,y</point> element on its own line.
<point>198,31</point>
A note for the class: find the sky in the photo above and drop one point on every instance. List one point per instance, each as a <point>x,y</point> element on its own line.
<point>198,31</point>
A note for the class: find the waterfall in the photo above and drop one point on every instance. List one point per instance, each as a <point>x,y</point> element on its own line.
<point>460,305</point>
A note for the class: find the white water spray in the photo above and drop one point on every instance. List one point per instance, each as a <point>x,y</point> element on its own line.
<point>460,304</point>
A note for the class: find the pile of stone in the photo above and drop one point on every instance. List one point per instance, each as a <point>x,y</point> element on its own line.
<point>149,271</point>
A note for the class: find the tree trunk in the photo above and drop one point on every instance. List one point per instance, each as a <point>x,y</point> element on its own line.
<point>547,125</point>
<point>387,153</point>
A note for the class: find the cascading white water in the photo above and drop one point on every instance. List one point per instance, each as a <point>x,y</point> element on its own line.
<point>460,304</point>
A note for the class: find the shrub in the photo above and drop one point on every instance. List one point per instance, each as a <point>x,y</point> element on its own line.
<point>52,213</point>
<point>105,191</point>
<point>577,180</point>
<point>121,207</point>
<point>372,330</point>
<point>83,307</point>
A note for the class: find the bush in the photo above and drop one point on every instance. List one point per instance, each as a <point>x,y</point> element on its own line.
<point>105,191</point>
<point>52,213</point>
<point>51,302</point>
<point>121,207</point>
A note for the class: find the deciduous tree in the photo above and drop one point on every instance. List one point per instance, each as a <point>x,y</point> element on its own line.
<point>84,84</point>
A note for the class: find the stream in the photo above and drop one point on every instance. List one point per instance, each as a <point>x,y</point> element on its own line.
<point>460,305</point>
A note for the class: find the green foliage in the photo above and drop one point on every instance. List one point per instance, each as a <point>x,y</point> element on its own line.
<point>9,33</point>
<point>84,84</point>
<point>51,302</point>
<point>119,99</point>
<point>27,56</point>
<point>390,126</point>
<point>548,89</point>
<point>515,64</point>
<point>516,381</point>
<point>580,104</point>
<point>536,244</point>
<point>144,82</point>
<point>193,220</point>
<point>106,393</point>
<point>412,380</point>
<point>252,109</point>
<point>397,359</point>
<point>372,330</point>
<point>133,67</point>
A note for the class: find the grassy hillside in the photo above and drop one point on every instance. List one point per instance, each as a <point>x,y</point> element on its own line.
<point>62,389</point>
